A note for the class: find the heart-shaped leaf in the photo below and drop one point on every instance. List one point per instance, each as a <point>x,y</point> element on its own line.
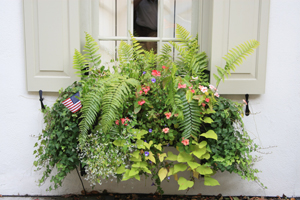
<point>171,156</point>
<point>210,181</point>
<point>210,134</point>
<point>184,157</point>
<point>184,184</point>
<point>162,173</point>
<point>179,167</point>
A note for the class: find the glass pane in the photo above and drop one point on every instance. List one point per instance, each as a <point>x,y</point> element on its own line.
<point>176,12</point>
<point>112,23</point>
<point>145,18</point>
<point>107,51</point>
<point>184,13</point>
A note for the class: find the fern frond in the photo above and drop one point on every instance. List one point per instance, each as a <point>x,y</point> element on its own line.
<point>80,64</point>
<point>190,125</point>
<point>125,53</point>
<point>91,107</point>
<point>92,49</point>
<point>182,34</point>
<point>235,58</point>
<point>116,94</point>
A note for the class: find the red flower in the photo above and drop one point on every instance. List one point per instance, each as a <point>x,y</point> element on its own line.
<point>123,120</point>
<point>164,67</point>
<point>203,104</point>
<point>141,92</point>
<point>155,73</point>
<point>192,90</point>
<point>168,115</point>
<point>207,100</point>
<point>117,122</point>
<point>141,102</point>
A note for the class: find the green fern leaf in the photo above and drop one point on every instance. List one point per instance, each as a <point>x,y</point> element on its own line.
<point>235,58</point>
<point>92,49</point>
<point>190,125</point>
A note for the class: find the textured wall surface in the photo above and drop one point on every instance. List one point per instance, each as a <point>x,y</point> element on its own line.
<point>275,121</point>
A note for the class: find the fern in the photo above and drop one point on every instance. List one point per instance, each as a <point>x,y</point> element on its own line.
<point>116,94</point>
<point>79,63</point>
<point>90,109</point>
<point>165,58</point>
<point>191,61</point>
<point>92,49</point>
<point>125,53</point>
<point>234,58</point>
<point>190,125</point>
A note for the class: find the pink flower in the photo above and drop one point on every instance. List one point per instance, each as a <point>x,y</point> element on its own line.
<point>203,104</point>
<point>203,89</point>
<point>168,115</point>
<point>165,130</point>
<point>212,87</point>
<point>155,73</point>
<point>200,87</point>
<point>192,90</point>
<point>191,87</point>
<point>176,115</point>
<point>207,100</point>
<point>117,122</point>
<point>141,102</point>
<point>123,120</point>
<point>146,89</point>
<point>185,141</point>
<point>181,86</point>
<point>164,67</point>
<point>141,92</point>
<point>217,95</point>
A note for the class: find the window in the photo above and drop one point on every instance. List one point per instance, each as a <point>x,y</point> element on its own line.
<point>54,28</point>
<point>117,17</point>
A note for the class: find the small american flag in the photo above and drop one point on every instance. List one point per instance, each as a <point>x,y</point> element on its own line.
<point>72,103</point>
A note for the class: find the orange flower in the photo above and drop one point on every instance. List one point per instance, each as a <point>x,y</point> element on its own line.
<point>168,115</point>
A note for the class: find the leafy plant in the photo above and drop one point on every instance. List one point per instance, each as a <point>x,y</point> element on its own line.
<point>146,102</point>
<point>58,142</point>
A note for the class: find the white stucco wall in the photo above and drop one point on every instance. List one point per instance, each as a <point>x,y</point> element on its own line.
<point>276,124</point>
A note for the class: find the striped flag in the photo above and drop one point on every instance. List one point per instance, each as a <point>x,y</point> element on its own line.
<point>72,103</point>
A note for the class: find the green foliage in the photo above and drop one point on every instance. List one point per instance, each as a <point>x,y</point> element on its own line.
<point>191,62</point>
<point>91,51</point>
<point>190,125</point>
<point>235,58</point>
<point>57,144</point>
<point>150,101</point>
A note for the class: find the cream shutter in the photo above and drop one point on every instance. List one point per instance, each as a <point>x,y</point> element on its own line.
<point>232,22</point>
<point>52,33</point>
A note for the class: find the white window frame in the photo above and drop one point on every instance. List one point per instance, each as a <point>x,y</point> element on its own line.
<point>159,39</point>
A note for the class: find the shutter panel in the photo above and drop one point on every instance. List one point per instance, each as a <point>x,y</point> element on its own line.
<point>51,36</point>
<point>233,23</point>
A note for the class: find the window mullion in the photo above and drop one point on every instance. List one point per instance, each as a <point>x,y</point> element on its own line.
<point>160,24</point>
